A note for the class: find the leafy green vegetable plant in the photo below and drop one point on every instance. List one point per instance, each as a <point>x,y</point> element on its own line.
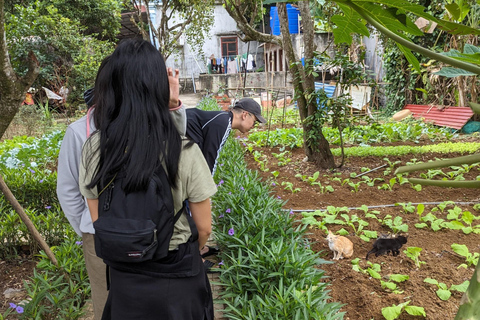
<point>443,291</point>
<point>356,223</point>
<point>414,254</point>
<point>395,224</point>
<point>407,207</point>
<point>470,258</point>
<point>373,269</point>
<point>389,185</point>
<point>392,283</point>
<point>393,312</point>
<point>289,186</point>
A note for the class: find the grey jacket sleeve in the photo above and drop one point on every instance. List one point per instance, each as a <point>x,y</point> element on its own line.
<point>68,190</point>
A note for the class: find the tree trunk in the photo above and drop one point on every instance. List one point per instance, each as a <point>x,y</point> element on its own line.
<point>317,150</point>
<point>12,94</point>
<point>12,87</point>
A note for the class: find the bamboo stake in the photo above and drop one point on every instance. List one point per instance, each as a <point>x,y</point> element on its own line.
<point>30,226</point>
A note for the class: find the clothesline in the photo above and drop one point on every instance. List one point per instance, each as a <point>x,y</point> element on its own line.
<point>231,64</point>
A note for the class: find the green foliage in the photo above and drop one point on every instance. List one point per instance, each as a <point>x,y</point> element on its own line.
<point>267,268</point>
<point>66,56</point>
<point>393,312</point>
<point>443,292</point>
<point>392,283</point>
<point>58,292</point>
<point>395,224</point>
<point>26,164</point>
<point>373,269</point>
<point>361,134</point>
<point>471,259</point>
<point>414,254</point>
<point>97,16</point>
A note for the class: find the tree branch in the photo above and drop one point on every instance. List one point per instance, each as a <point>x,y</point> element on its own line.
<point>30,226</point>
<point>250,34</point>
<point>414,47</point>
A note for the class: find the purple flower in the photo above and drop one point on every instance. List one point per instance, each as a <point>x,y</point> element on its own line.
<point>220,263</point>
<point>220,182</point>
<point>291,211</point>
<point>279,197</point>
<point>41,181</point>
<point>231,232</point>
<point>221,164</point>
<point>274,184</point>
<point>78,243</point>
<point>13,305</point>
<point>244,144</point>
<point>19,309</point>
<point>32,171</point>
<point>48,207</point>
<point>221,216</point>
<point>230,192</point>
<point>242,188</point>
<point>228,210</point>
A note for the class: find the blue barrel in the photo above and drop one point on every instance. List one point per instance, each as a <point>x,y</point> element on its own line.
<point>292,13</point>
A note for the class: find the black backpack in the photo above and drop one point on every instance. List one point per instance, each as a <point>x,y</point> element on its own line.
<point>135,227</point>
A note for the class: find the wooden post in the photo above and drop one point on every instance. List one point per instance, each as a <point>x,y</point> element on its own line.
<point>33,231</point>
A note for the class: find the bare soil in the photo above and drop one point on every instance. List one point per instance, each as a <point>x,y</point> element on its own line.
<point>362,295</point>
<point>12,274</point>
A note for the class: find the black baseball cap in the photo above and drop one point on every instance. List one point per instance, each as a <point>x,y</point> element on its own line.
<point>250,105</point>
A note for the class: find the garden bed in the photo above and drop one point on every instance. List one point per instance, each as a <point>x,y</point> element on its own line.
<point>363,295</point>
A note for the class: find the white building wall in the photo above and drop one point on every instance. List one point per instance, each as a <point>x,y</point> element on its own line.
<point>191,63</point>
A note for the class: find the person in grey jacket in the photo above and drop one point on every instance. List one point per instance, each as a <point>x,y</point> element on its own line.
<point>71,200</point>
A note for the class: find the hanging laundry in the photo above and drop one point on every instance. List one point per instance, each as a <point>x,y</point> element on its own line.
<point>250,63</point>
<point>232,66</point>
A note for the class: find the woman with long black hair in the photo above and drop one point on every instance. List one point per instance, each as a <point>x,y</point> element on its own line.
<point>136,134</point>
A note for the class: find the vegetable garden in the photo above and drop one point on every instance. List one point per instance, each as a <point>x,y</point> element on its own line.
<point>271,213</point>
<point>434,267</point>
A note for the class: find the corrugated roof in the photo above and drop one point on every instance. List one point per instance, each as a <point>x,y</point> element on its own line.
<point>452,117</point>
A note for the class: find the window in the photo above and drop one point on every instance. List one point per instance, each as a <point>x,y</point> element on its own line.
<point>229,46</point>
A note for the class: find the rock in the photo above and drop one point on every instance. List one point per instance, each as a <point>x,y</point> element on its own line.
<point>12,293</point>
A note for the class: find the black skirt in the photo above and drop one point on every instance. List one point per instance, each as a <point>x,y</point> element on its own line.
<point>176,288</point>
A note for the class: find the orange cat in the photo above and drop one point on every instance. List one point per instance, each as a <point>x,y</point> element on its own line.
<point>341,246</point>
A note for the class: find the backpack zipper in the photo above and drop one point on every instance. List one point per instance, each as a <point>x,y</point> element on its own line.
<point>108,197</point>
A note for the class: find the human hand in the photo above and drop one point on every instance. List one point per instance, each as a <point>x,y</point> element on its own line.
<point>174,83</point>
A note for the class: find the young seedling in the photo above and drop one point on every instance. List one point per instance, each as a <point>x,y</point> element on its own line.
<point>391,164</point>
<point>470,258</point>
<point>282,158</point>
<point>443,292</point>
<point>435,223</point>
<point>289,186</point>
<point>373,269</point>
<point>396,224</point>
<point>407,207</point>
<point>371,182</point>
<point>442,206</point>
<point>355,186</point>
<point>352,221</point>
<point>393,312</point>
<point>312,222</point>
<point>367,235</point>
<point>414,254</point>
<point>391,285</point>
<point>389,185</point>
<point>275,174</point>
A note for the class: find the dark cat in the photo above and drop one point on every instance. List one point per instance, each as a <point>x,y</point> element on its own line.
<point>385,245</point>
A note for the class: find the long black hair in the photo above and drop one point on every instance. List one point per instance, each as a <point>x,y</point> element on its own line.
<point>132,116</point>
